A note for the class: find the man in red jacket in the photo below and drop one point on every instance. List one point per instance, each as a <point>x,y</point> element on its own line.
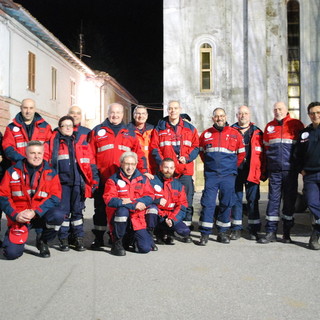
<point>30,192</point>
<point>109,140</point>
<point>280,137</point>
<point>26,126</point>
<point>178,139</point>
<point>127,194</point>
<point>249,173</point>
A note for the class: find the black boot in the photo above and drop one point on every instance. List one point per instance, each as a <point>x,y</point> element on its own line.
<point>223,238</point>
<point>64,245</point>
<point>42,246</point>
<point>235,234</point>
<point>203,239</point>
<point>314,240</point>
<point>117,248</point>
<point>269,237</point>
<point>79,244</point>
<point>287,225</point>
<point>98,241</point>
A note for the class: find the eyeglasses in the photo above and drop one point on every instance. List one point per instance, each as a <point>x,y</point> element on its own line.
<point>314,113</point>
<point>68,126</point>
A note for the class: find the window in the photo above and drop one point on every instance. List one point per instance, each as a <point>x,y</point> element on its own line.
<point>205,68</point>
<point>53,83</point>
<point>72,92</point>
<point>293,15</point>
<point>31,71</point>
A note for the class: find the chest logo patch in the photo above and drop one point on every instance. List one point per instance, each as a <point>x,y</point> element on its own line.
<point>157,188</point>
<point>102,132</point>
<point>305,135</point>
<point>270,129</point>
<point>16,129</point>
<point>121,183</point>
<point>208,135</point>
<point>15,175</point>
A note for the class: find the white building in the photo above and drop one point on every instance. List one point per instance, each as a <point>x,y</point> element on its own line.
<point>234,52</point>
<point>35,64</point>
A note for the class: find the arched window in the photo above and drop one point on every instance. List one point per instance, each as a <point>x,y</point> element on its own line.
<point>293,15</point>
<point>205,68</point>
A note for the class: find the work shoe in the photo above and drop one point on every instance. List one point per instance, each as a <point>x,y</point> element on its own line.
<point>286,237</point>
<point>64,245</point>
<point>169,240</point>
<point>203,239</point>
<point>79,244</point>
<point>43,248</point>
<point>187,239</point>
<point>154,247</point>
<point>223,238</point>
<point>235,234</point>
<point>314,241</point>
<point>253,236</point>
<point>269,237</point>
<point>117,248</point>
<point>97,244</point>
<point>159,240</point>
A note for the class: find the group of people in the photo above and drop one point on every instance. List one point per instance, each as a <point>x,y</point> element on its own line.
<point>140,177</point>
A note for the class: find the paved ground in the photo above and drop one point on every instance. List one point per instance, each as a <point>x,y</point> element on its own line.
<point>243,280</point>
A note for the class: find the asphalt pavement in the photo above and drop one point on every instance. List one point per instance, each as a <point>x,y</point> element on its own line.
<point>241,280</point>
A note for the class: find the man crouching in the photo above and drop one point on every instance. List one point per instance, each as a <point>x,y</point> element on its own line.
<point>127,194</point>
<point>30,192</point>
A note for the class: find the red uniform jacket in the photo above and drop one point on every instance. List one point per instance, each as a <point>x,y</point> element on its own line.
<point>16,138</point>
<point>168,143</point>
<point>15,190</point>
<point>279,139</point>
<point>138,189</point>
<point>57,154</point>
<point>108,148</point>
<point>256,155</point>
<point>173,191</point>
<point>221,151</point>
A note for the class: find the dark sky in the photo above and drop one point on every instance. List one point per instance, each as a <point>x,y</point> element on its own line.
<point>123,38</point>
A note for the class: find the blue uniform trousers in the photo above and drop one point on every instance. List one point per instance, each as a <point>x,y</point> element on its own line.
<point>282,184</point>
<point>225,186</point>
<point>252,196</point>
<point>312,195</point>
<point>154,221</point>
<point>50,223</point>
<point>72,204</point>
<point>142,237</point>
<point>188,184</point>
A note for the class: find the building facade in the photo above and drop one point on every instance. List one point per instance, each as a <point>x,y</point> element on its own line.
<point>234,52</point>
<point>35,64</point>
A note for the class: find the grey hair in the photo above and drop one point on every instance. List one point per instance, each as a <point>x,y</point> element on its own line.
<point>128,154</point>
<point>139,106</point>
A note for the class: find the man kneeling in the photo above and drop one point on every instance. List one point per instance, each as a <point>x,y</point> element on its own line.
<point>29,194</point>
<point>127,194</point>
<point>165,215</point>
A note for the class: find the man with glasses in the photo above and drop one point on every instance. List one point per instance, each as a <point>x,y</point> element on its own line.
<point>143,131</point>
<point>307,156</point>
<point>222,151</point>
<point>279,138</point>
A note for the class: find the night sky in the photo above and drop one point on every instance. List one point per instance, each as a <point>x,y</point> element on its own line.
<point>123,38</point>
